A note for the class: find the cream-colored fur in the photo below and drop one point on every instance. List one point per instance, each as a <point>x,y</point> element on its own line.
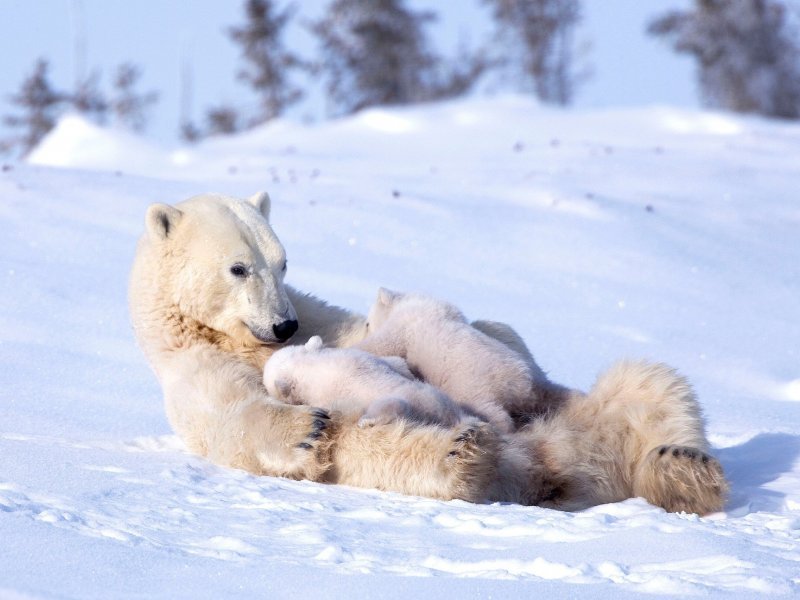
<point>206,332</point>
<point>348,380</point>
<point>497,380</point>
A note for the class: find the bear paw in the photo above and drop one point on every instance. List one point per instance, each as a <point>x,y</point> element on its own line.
<point>471,461</point>
<point>310,429</point>
<point>682,478</point>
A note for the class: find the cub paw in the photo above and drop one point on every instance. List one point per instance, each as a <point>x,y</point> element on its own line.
<point>385,411</point>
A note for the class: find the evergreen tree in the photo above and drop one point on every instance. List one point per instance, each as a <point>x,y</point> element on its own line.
<point>535,43</point>
<point>40,105</point>
<point>748,57</point>
<point>89,100</point>
<point>129,106</point>
<point>268,64</point>
<point>374,52</point>
<point>222,120</point>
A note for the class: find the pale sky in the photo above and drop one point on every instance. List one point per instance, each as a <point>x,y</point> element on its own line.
<point>629,68</point>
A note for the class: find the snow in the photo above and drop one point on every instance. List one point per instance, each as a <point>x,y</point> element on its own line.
<point>652,232</point>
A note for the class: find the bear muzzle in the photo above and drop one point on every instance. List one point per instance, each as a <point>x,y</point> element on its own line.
<point>276,334</point>
<point>285,330</point>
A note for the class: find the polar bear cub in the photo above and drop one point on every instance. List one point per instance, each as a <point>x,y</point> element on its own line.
<point>441,347</point>
<point>351,380</point>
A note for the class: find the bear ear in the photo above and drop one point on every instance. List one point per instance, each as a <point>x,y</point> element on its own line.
<point>386,297</point>
<point>161,220</point>
<point>262,202</point>
<point>284,386</point>
<point>314,343</point>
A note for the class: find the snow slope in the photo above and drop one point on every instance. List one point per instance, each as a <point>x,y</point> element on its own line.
<point>658,233</point>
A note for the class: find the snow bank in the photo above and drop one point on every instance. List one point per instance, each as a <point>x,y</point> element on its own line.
<point>654,233</point>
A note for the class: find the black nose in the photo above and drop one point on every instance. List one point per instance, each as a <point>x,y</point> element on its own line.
<point>285,330</point>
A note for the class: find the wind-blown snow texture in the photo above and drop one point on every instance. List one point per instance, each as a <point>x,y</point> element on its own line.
<point>655,233</point>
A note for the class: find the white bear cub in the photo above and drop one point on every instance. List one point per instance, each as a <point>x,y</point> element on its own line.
<point>440,346</point>
<point>351,380</point>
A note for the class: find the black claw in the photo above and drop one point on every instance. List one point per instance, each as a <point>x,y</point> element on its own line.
<point>305,446</point>
<point>662,451</point>
<point>321,414</point>
<point>452,453</point>
<point>314,435</point>
<point>320,424</point>
<point>705,459</point>
<point>676,452</point>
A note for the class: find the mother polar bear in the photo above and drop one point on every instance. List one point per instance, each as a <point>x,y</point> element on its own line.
<point>209,306</point>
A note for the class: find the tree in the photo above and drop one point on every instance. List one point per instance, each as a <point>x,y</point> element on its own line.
<point>40,105</point>
<point>129,106</point>
<point>89,100</point>
<point>535,41</point>
<point>268,64</point>
<point>374,52</point>
<point>223,120</point>
<point>748,57</point>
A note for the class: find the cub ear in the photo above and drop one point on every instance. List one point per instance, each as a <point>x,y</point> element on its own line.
<point>262,203</point>
<point>284,386</point>
<point>161,220</point>
<point>314,343</point>
<point>386,297</point>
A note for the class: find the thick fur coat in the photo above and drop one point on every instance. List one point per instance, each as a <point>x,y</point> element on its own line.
<point>209,306</point>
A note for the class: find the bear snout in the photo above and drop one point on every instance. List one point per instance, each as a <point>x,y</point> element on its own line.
<point>285,330</point>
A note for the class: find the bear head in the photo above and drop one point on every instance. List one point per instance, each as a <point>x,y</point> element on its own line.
<point>220,263</point>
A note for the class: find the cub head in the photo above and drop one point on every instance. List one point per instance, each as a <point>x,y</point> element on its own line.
<point>382,308</point>
<point>220,263</point>
<point>280,376</point>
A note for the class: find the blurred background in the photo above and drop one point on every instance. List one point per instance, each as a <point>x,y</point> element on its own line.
<point>182,70</point>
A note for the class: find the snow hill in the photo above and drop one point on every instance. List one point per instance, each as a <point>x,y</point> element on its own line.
<point>658,233</point>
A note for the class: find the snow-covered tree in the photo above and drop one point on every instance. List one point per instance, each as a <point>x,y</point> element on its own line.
<point>374,52</point>
<point>535,46</point>
<point>40,105</point>
<point>128,106</point>
<point>268,64</point>
<point>748,57</point>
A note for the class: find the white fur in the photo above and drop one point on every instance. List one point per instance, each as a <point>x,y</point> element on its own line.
<point>207,335</point>
<point>440,345</point>
<point>350,380</point>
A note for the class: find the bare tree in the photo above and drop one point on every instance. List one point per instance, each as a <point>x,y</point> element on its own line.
<point>223,120</point>
<point>268,65</point>
<point>536,41</point>
<point>374,52</point>
<point>40,105</point>
<point>748,57</point>
<point>129,106</point>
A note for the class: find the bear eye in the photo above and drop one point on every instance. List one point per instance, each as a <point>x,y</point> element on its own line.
<point>239,270</point>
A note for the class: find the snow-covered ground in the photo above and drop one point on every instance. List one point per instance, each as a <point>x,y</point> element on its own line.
<point>658,233</point>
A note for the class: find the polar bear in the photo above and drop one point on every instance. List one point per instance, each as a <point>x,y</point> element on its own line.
<point>471,367</point>
<point>209,305</point>
<point>350,380</point>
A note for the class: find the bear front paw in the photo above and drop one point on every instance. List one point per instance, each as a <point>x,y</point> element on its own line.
<point>471,461</point>
<point>310,442</point>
